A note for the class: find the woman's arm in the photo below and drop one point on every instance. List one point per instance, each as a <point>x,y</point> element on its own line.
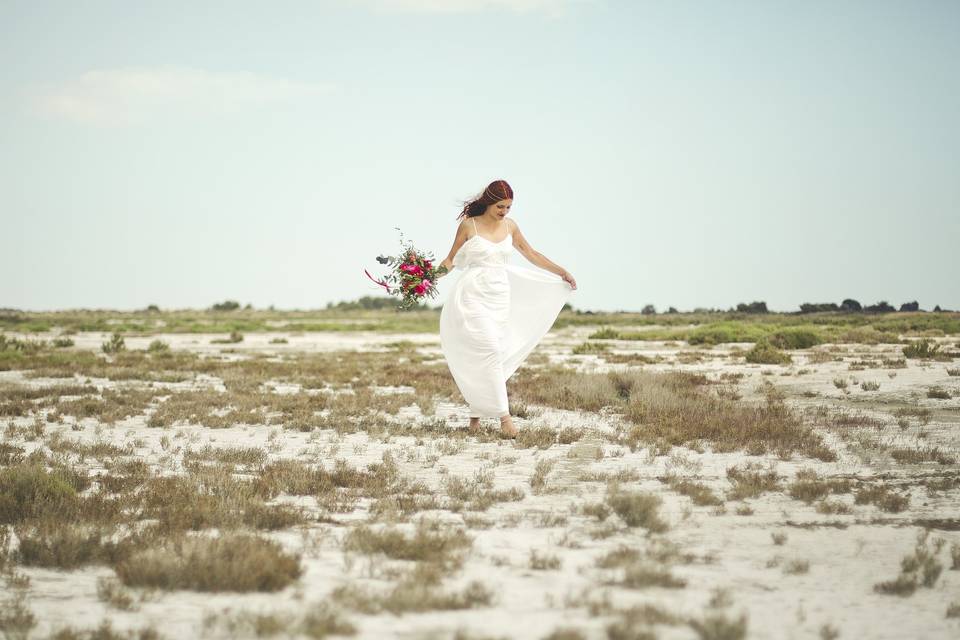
<point>520,244</point>
<point>458,241</point>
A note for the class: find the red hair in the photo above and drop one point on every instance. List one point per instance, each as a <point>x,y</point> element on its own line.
<point>495,192</point>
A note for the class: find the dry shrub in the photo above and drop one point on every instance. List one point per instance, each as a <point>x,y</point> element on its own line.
<point>419,590</point>
<point>319,622</point>
<point>539,437</point>
<point>920,568</point>
<point>643,576</point>
<point>430,542</point>
<point>881,496</point>
<point>569,435</point>
<point>100,449</point>
<point>233,562</point>
<point>478,493</point>
<point>289,476</point>
<point>112,405</point>
<point>699,493</point>
<point>808,486</point>
<point>538,481</point>
<point>543,561</point>
<point>211,497</point>
<point>11,454</point>
<point>247,456</point>
<point>750,480</point>
<point>717,626</point>
<point>67,546</point>
<point>921,455</point>
<point>673,408</point>
<point>637,509</point>
<point>30,491</point>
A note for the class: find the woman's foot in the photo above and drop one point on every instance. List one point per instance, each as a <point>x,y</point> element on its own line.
<point>507,428</point>
<point>474,424</point>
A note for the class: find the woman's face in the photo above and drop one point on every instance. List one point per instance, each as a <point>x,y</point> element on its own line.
<point>499,210</point>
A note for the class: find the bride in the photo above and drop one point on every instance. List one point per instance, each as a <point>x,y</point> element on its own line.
<point>496,312</point>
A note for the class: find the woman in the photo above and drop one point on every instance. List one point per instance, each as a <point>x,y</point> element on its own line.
<point>497,312</point>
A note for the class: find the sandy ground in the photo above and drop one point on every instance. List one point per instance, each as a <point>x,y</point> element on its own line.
<point>847,553</point>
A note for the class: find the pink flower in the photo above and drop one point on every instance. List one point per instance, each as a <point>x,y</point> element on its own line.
<point>419,289</point>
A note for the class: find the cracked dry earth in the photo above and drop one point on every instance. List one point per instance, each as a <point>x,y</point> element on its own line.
<point>732,544</point>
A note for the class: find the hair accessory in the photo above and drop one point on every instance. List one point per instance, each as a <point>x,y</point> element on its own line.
<point>495,195</point>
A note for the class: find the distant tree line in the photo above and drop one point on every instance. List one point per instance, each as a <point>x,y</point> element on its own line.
<point>847,306</point>
<point>852,306</point>
<point>373,303</point>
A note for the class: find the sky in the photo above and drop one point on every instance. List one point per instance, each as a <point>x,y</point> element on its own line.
<point>683,153</point>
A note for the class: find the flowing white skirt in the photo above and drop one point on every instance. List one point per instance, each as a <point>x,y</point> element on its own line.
<point>491,321</point>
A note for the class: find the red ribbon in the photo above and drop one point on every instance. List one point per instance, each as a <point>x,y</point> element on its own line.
<point>379,282</point>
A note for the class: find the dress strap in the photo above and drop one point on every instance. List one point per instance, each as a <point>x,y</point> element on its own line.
<point>474,221</point>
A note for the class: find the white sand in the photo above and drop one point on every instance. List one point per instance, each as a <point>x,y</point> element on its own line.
<point>735,552</point>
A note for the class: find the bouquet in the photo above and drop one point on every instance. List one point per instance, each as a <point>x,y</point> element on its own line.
<point>413,276</point>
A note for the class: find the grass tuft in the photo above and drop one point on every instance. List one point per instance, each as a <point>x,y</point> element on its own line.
<point>637,509</point>
<point>234,562</point>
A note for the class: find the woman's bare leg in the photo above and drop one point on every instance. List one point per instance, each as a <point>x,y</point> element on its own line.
<point>506,426</point>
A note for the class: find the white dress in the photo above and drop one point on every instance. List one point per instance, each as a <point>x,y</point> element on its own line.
<point>493,318</point>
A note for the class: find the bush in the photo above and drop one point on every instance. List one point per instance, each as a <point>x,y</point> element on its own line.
<point>808,307</point>
<point>753,307</point>
<point>226,305</point>
<point>604,333</point>
<point>27,491</point>
<point>234,562</point>
<point>638,510</point>
<point>722,332</point>
<point>881,307</point>
<point>115,344</point>
<point>158,346</point>
<point>52,543</point>
<point>364,303</point>
<point>849,305</point>
<point>921,349</point>
<point>796,338</point>
<point>235,336</point>
<point>766,353</point>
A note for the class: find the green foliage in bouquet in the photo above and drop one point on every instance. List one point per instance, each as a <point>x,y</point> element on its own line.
<point>412,276</point>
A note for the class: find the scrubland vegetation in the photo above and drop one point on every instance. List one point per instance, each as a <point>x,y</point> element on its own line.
<point>341,491</point>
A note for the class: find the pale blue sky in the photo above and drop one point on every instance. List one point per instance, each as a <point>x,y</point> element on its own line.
<point>674,153</point>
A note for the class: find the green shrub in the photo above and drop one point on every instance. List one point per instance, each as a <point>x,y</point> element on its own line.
<point>796,338</point>
<point>114,345</point>
<point>604,333</point>
<point>28,491</point>
<point>766,353</point>
<point>158,346</point>
<point>921,349</point>
<point>226,305</point>
<point>726,332</point>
